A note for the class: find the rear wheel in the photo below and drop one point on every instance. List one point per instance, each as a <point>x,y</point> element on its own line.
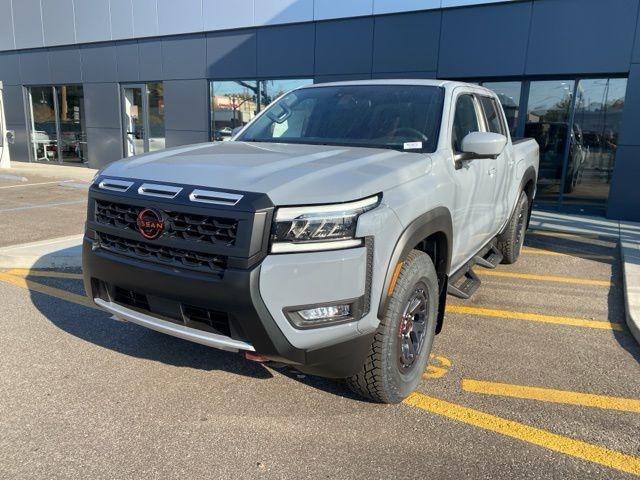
<point>511,240</point>
<point>402,343</point>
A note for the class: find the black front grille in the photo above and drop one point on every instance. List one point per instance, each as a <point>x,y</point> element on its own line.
<point>182,226</point>
<point>176,257</point>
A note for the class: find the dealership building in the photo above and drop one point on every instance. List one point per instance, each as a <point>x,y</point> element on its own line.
<point>92,81</point>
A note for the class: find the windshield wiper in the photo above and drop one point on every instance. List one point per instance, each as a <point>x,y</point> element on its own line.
<point>328,144</point>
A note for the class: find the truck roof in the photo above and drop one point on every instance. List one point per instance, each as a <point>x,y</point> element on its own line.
<point>400,81</point>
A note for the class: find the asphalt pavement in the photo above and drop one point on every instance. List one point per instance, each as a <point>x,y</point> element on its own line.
<point>534,377</point>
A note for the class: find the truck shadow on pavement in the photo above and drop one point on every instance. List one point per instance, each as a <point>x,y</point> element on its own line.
<point>129,339</point>
<point>100,328</point>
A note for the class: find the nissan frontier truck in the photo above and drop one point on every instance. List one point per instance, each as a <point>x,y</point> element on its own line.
<point>326,235</point>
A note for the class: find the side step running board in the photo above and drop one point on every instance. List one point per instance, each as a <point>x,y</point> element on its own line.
<point>465,282</point>
<point>466,287</point>
<point>491,259</point>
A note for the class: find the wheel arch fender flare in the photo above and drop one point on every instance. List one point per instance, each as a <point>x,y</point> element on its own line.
<point>436,221</point>
<point>530,174</point>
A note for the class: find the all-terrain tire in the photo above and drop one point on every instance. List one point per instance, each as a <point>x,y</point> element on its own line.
<point>511,240</point>
<point>383,378</point>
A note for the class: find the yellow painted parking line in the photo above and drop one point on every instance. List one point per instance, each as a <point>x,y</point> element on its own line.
<point>545,278</point>
<point>553,396</point>
<point>25,272</point>
<point>536,436</point>
<point>51,291</point>
<point>566,253</point>
<point>535,317</point>
<point>549,233</point>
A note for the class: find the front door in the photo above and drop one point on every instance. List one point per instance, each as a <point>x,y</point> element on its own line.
<point>475,183</point>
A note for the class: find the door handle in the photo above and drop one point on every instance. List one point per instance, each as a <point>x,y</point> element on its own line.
<point>492,171</point>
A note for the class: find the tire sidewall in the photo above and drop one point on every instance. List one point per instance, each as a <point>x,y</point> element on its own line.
<point>401,384</point>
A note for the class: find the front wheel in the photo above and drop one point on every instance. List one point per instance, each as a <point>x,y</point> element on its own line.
<point>511,240</point>
<point>401,346</point>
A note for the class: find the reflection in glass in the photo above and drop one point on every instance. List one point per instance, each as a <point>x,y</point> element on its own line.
<point>73,138</point>
<point>233,104</point>
<point>598,114</point>
<point>44,138</point>
<point>547,121</point>
<point>272,89</point>
<point>156,116</point>
<point>509,95</point>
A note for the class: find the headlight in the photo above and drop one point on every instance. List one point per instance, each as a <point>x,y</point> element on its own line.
<point>319,227</point>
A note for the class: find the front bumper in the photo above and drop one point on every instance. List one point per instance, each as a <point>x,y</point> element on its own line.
<point>158,296</point>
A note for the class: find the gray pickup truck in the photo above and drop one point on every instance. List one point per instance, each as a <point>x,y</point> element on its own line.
<point>326,235</point>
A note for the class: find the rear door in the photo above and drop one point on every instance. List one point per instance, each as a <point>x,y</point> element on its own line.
<point>472,215</point>
<point>4,147</point>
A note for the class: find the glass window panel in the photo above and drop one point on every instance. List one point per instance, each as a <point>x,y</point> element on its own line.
<point>43,124</point>
<point>547,119</point>
<point>464,122</point>
<point>73,137</point>
<point>133,120</point>
<point>272,89</point>
<point>492,114</point>
<point>379,116</point>
<point>2,134</point>
<point>233,104</point>
<point>156,116</point>
<point>509,96</point>
<point>599,106</point>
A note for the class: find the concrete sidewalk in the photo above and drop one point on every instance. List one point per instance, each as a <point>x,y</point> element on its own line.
<point>64,252</point>
<point>628,236</point>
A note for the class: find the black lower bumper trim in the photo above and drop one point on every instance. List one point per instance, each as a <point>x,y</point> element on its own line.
<point>236,294</point>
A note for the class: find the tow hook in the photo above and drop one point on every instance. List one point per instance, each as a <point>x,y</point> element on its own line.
<point>254,357</point>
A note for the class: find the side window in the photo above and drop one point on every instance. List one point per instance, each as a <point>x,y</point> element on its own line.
<point>464,122</point>
<point>493,115</point>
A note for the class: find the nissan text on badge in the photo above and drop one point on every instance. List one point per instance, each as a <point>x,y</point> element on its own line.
<point>325,235</point>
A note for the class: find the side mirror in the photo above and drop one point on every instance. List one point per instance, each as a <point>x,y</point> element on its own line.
<point>11,137</point>
<point>483,144</point>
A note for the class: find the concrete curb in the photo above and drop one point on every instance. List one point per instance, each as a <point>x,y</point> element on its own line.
<point>630,254</point>
<point>64,252</point>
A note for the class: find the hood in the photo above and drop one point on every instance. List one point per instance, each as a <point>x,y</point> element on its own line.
<point>289,173</point>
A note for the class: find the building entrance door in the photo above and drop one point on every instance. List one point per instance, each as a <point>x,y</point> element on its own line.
<point>5,136</point>
<point>143,118</point>
<point>134,106</point>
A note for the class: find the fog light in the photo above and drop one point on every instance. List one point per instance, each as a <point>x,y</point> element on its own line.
<point>333,312</point>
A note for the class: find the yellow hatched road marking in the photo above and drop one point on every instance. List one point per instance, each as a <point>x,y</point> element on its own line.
<point>535,317</point>
<point>550,395</point>
<point>567,253</point>
<point>51,291</point>
<point>545,278</point>
<point>543,438</point>
<point>25,272</point>
<point>437,367</point>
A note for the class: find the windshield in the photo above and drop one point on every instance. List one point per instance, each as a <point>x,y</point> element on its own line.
<point>402,117</point>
